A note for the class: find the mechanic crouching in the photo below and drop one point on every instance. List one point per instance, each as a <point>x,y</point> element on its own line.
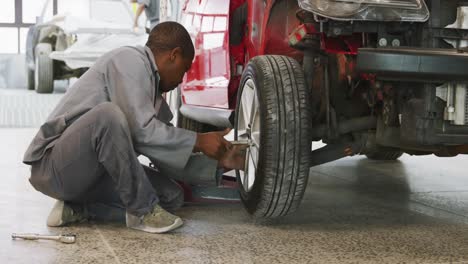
<point>85,154</point>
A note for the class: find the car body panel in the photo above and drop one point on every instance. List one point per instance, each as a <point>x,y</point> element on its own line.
<point>214,77</point>
<point>207,22</point>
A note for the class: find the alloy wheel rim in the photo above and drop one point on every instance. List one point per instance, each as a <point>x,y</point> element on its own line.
<point>248,129</point>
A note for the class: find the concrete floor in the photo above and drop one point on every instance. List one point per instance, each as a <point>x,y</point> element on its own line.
<point>354,211</point>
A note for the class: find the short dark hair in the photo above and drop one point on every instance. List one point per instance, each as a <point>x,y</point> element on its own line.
<point>169,35</point>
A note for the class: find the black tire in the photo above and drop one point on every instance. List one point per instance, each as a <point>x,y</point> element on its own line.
<point>174,101</point>
<point>384,154</point>
<point>187,123</point>
<point>190,124</point>
<point>285,143</point>
<point>30,75</point>
<point>44,74</point>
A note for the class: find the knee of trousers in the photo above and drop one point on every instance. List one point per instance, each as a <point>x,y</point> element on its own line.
<point>110,116</point>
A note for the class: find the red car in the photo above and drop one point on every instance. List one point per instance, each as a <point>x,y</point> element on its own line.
<point>373,77</point>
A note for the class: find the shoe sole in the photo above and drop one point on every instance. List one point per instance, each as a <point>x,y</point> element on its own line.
<point>55,217</point>
<point>155,230</point>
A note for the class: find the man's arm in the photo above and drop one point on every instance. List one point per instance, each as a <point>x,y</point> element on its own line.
<point>130,86</point>
<point>212,144</point>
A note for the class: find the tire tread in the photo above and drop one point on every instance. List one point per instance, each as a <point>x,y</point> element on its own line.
<point>285,136</point>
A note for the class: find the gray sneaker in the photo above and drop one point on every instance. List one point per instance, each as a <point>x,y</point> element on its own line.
<point>158,221</point>
<point>62,214</point>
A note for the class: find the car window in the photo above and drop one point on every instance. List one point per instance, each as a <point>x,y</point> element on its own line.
<point>7,12</point>
<point>10,46</point>
<point>33,9</point>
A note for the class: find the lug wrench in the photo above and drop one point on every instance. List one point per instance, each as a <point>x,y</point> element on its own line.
<point>66,239</point>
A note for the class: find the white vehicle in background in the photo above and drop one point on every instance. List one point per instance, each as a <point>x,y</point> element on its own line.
<point>68,44</point>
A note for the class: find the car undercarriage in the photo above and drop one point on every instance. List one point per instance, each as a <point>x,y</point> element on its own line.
<point>376,78</point>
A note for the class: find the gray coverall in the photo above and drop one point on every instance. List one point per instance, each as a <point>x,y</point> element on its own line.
<point>86,151</point>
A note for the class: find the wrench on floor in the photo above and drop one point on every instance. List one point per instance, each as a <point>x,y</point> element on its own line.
<point>66,239</point>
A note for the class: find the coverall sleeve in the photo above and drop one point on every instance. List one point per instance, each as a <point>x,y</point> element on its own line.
<point>130,85</point>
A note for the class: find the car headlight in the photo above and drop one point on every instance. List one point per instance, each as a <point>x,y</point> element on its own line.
<point>340,9</point>
<point>411,4</point>
<point>373,10</point>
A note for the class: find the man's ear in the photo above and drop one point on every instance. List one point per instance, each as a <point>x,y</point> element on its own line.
<point>175,53</point>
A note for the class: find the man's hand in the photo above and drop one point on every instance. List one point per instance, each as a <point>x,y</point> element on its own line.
<point>213,144</point>
<point>234,159</point>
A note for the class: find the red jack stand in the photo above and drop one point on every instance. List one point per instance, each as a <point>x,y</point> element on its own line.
<point>225,192</point>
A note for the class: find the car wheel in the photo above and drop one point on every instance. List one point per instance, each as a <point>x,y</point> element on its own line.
<point>384,154</point>
<point>273,115</point>
<point>43,74</point>
<point>30,80</point>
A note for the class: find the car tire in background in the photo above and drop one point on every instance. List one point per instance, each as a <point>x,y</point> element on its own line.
<point>43,73</point>
<point>30,80</point>
<point>273,114</point>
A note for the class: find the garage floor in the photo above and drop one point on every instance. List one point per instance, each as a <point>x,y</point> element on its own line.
<point>355,211</point>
